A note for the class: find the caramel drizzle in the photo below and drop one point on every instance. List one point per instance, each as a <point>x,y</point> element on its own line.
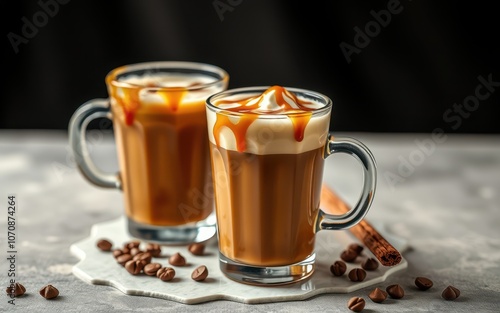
<point>299,116</point>
<point>239,130</point>
<point>173,98</point>
<point>130,102</point>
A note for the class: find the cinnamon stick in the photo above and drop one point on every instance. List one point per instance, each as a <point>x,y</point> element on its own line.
<point>366,233</point>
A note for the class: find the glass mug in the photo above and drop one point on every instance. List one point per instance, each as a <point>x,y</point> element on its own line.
<point>159,122</point>
<point>267,170</point>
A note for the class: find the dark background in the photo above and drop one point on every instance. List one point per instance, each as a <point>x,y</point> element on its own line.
<point>426,59</point>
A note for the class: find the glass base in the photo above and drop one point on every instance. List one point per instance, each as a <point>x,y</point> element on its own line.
<point>267,275</point>
<point>174,235</point>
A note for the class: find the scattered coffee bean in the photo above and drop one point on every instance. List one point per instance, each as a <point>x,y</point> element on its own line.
<point>124,258</point>
<point>134,267</point>
<point>356,247</point>
<point>117,252</point>
<point>104,244</point>
<point>357,274</point>
<point>49,292</point>
<point>356,304</point>
<point>370,264</point>
<point>196,248</point>
<point>348,255</point>
<point>136,261</point>
<point>132,244</point>
<point>154,249</point>
<point>134,251</point>
<point>423,283</point>
<point>151,269</point>
<point>450,293</point>
<point>378,295</point>
<point>200,273</point>
<point>395,291</point>
<point>177,260</point>
<point>143,256</point>
<point>166,273</point>
<point>125,250</point>
<point>16,290</point>
<point>338,268</point>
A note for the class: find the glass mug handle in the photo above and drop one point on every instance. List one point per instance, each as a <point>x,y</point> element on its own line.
<point>90,110</point>
<point>357,213</point>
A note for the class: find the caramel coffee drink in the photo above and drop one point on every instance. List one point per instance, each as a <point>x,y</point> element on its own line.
<point>162,147</point>
<point>160,127</point>
<point>274,176</point>
<point>268,146</point>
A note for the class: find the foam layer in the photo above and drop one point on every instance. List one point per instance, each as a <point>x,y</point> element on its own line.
<point>270,124</point>
<point>168,80</point>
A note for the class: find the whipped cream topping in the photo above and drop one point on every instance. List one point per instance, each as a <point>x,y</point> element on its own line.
<point>267,103</point>
<point>177,93</point>
<point>276,121</point>
<point>275,100</point>
<point>166,80</point>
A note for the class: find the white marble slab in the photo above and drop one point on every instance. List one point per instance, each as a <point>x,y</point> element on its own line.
<point>100,268</point>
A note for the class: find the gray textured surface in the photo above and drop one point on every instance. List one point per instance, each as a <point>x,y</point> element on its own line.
<point>447,207</point>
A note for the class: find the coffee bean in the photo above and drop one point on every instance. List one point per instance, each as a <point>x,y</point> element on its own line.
<point>151,269</point>
<point>356,304</point>
<point>117,252</point>
<point>125,250</point>
<point>200,273</point>
<point>370,264</point>
<point>134,251</point>
<point>143,256</point>
<point>16,290</point>
<point>378,295</point>
<point>349,255</point>
<point>356,247</point>
<point>423,283</point>
<point>450,293</point>
<point>395,291</point>
<point>124,258</point>
<point>134,267</point>
<point>357,274</point>
<point>166,273</point>
<point>177,260</point>
<point>338,268</point>
<point>196,248</point>
<point>49,292</point>
<point>154,249</point>
<point>104,244</point>
<point>132,244</point>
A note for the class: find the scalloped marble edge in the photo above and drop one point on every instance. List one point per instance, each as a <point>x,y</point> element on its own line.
<point>399,243</point>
